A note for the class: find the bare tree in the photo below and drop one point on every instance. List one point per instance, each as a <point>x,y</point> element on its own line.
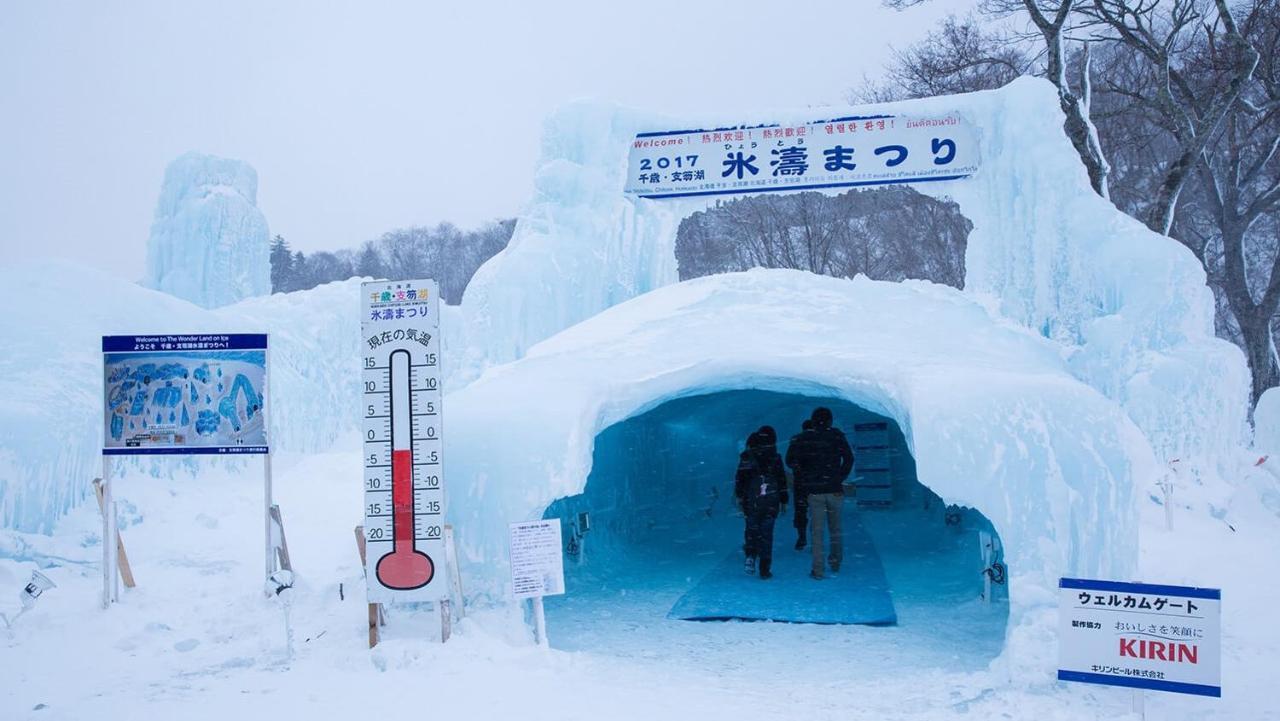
<point>1053,21</point>
<point>1163,34</point>
<point>950,56</point>
<point>1239,174</point>
<point>959,57</point>
<point>886,234</point>
<point>445,253</point>
<point>1184,96</point>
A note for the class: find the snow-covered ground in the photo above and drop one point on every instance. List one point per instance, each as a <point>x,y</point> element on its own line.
<point>1047,396</point>
<point>197,639</point>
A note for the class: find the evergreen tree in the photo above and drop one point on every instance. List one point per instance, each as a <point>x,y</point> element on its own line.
<point>281,265</point>
<point>299,273</point>
<point>370,264</point>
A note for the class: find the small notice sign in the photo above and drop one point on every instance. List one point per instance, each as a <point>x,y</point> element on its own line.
<point>537,562</point>
<point>1140,635</point>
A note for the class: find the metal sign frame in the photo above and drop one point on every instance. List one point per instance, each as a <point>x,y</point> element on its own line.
<point>160,346</point>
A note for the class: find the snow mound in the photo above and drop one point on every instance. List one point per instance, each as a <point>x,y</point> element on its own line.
<point>209,241</point>
<point>51,374</point>
<point>992,414</point>
<point>51,379</point>
<point>1266,421</point>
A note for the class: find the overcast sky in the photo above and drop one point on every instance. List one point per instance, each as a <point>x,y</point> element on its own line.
<point>365,116</point>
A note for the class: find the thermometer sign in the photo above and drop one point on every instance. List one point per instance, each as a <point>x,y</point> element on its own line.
<point>403,452</point>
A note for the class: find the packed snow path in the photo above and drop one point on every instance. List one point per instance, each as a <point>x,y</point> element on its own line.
<point>858,594</point>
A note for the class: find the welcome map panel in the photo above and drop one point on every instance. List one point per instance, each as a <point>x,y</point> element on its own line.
<point>181,395</point>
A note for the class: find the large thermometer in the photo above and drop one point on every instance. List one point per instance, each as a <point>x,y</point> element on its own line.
<point>403,493</point>
<point>405,567</point>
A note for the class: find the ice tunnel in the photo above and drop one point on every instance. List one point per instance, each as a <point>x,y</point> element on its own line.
<point>662,538</point>
<point>636,416</point>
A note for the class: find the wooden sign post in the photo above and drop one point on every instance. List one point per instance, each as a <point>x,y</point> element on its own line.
<point>376,616</point>
<point>126,571</point>
<point>537,566</point>
<point>279,544</point>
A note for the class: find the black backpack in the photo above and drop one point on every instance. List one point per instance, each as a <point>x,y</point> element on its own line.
<point>759,488</point>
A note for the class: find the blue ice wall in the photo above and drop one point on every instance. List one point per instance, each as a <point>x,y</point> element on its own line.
<point>673,467</point>
<point>660,499</point>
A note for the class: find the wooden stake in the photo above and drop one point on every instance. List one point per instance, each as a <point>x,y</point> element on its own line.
<point>282,548</point>
<point>540,622</point>
<point>266,516</point>
<point>376,616</point>
<point>126,571</point>
<point>455,578</point>
<point>360,545</point>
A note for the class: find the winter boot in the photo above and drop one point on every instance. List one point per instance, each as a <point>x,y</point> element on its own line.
<point>765,572</point>
<point>800,542</point>
<point>750,566</point>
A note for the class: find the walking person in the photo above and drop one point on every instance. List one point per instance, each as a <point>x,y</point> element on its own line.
<point>799,491</point>
<point>821,462</point>
<point>760,486</point>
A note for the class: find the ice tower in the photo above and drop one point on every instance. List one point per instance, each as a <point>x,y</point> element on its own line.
<point>209,241</point>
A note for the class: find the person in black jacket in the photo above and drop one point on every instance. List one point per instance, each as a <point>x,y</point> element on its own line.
<point>760,486</point>
<point>821,461</point>
<point>799,493</point>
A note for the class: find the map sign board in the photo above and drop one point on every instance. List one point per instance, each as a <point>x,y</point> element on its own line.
<point>845,152</point>
<point>1140,635</point>
<point>184,394</point>
<point>537,561</point>
<point>403,451</point>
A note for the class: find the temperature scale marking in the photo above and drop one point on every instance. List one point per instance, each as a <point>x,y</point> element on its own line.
<point>405,567</point>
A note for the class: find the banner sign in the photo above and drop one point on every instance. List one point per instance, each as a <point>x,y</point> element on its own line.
<point>403,451</point>
<point>843,152</point>
<point>184,394</point>
<point>1140,635</point>
<point>537,562</point>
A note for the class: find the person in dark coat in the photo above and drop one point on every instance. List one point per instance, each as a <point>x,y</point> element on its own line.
<point>760,486</point>
<point>822,461</point>
<point>799,493</point>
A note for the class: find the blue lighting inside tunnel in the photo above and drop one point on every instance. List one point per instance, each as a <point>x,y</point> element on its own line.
<point>655,539</point>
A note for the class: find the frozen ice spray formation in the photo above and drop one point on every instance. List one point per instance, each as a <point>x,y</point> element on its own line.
<point>209,241</point>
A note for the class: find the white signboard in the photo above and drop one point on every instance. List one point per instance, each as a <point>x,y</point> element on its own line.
<point>403,453</point>
<point>1140,635</point>
<point>850,151</point>
<point>537,562</point>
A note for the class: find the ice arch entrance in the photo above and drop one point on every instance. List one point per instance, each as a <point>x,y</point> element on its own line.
<point>994,419</point>
<point>664,540</point>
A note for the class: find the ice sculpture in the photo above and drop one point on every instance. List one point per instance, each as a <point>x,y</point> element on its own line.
<point>209,241</point>
<point>1129,307</point>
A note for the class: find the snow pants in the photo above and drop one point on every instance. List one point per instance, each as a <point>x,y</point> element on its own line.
<point>824,510</point>
<point>758,541</point>
<point>801,519</point>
